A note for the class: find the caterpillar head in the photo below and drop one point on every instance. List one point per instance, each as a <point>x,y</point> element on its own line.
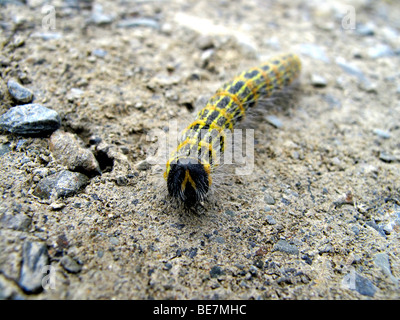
<point>188,180</point>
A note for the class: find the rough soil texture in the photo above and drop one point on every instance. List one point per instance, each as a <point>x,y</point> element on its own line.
<point>318,218</point>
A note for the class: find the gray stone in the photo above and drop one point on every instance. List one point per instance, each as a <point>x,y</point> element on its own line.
<point>379,228</point>
<point>62,184</point>
<point>216,271</point>
<point>206,56</point>
<point>70,264</point>
<point>47,35</point>
<point>382,133</point>
<point>350,68</point>
<point>143,165</point>
<point>139,22</point>
<point>356,282</point>
<point>4,148</point>
<point>98,17</point>
<point>18,92</point>
<point>66,149</point>
<point>379,51</point>
<point>326,249</point>
<point>356,230</point>
<point>114,241</point>
<point>270,220</point>
<point>367,29</point>
<point>387,157</point>
<point>220,240</point>
<point>318,81</point>
<point>364,286</point>
<point>99,53</point>
<point>275,121</point>
<point>368,86</point>
<point>284,246</point>
<point>30,119</point>
<point>205,42</point>
<point>269,199</point>
<point>381,260</point>
<point>19,221</point>
<point>34,259</point>
<point>74,94</point>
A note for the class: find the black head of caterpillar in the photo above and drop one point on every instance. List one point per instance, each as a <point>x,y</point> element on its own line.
<point>188,181</point>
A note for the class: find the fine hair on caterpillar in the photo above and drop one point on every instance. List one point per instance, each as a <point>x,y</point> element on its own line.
<point>212,140</point>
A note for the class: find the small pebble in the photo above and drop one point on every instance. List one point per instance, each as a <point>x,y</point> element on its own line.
<point>382,133</point>
<point>284,246</point>
<point>47,35</point>
<point>66,149</point>
<point>4,148</point>
<point>354,281</point>
<point>205,42</point>
<point>206,56</point>
<point>99,53</point>
<point>350,68</point>
<point>390,34</point>
<point>143,165</point>
<point>318,81</point>
<point>275,121</point>
<point>166,28</point>
<point>138,22</point>
<point>270,220</point>
<point>219,240</point>
<point>18,92</point>
<point>230,213</point>
<point>368,86</point>
<point>356,230</point>
<point>387,157</point>
<point>30,119</point>
<point>269,199</point>
<point>16,221</point>
<point>192,253</point>
<point>114,241</point>
<point>62,184</point>
<point>34,258</point>
<point>379,228</point>
<point>74,94</point>
<point>381,260</point>
<point>70,264</point>
<point>55,206</point>
<point>216,271</point>
<point>394,222</point>
<point>98,17</point>
<point>379,51</point>
<point>326,249</point>
<point>365,30</point>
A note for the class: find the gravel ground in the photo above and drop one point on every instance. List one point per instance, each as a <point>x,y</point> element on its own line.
<point>84,213</point>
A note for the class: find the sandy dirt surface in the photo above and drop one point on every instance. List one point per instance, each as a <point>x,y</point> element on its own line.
<point>317,218</point>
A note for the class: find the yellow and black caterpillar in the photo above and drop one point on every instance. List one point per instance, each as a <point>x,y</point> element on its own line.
<point>189,169</point>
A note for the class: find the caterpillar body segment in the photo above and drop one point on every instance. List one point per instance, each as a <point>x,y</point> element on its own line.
<point>189,169</point>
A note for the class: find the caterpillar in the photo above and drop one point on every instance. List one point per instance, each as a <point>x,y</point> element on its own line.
<point>189,169</point>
